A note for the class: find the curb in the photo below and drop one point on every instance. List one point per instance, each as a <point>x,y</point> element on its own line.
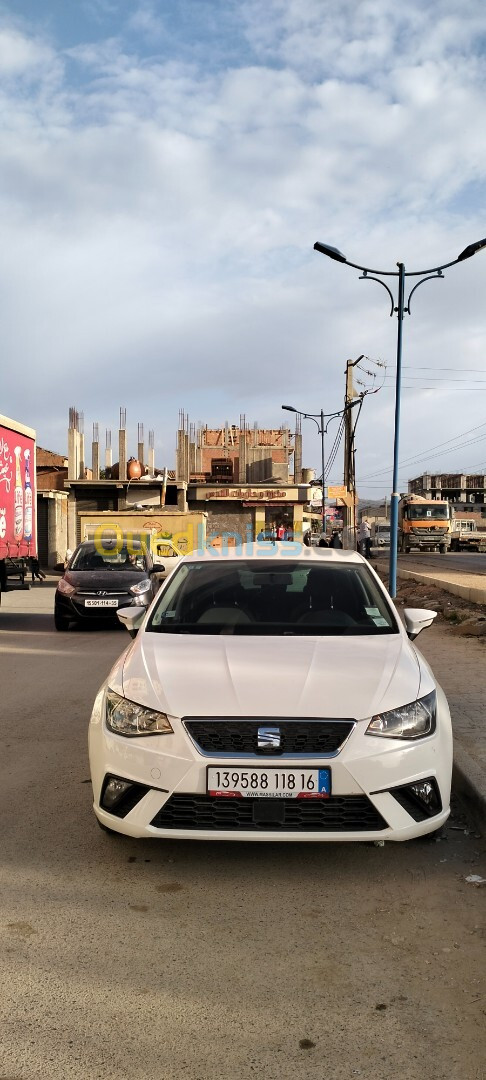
<point>474,594</point>
<point>468,780</point>
<point>468,783</point>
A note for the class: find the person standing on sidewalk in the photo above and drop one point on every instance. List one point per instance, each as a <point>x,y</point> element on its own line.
<point>335,540</point>
<point>364,538</point>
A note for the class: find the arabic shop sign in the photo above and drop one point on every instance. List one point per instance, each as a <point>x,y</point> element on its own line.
<point>255,494</point>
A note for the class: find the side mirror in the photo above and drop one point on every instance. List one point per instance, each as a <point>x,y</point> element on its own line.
<point>157,568</point>
<point>417,619</point>
<point>131,618</point>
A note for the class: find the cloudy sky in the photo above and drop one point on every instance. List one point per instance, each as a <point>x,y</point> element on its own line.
<point>166,167</point>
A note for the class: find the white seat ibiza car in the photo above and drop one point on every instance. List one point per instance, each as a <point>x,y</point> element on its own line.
<point>272,693</point>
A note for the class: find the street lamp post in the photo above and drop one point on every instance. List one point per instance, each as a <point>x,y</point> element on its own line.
<point>319,419</point>
<point>400,308</point>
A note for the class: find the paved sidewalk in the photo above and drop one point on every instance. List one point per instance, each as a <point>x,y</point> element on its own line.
<point>459,664</point>
<point>469,586</point>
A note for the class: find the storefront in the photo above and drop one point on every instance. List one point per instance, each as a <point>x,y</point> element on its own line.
<point>248,510</point>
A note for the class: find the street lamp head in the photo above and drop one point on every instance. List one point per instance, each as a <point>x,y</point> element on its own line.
<point>289,408</point>
<point>331,252</point>
<point>471,250</point>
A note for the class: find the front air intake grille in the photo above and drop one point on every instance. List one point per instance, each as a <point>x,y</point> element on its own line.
<point>97,593</point>
<point>339,813</point>
<point>230,735</point>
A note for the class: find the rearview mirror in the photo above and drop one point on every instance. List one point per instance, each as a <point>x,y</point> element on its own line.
<point>417,619</point>
<point>131,618</point>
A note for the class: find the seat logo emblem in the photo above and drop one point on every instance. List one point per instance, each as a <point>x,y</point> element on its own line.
<point>268,738</point>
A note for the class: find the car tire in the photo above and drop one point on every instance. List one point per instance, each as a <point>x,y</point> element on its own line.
<point>61,622</point>
<point>105,829</point>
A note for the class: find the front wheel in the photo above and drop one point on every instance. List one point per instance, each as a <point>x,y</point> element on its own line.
<point>110,832</point>
<point>61,622</point>
<point>442,549</point>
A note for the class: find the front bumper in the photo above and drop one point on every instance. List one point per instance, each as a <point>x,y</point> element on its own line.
<point>422,536</point>
<point>75,607</point>
<point>171,798</point>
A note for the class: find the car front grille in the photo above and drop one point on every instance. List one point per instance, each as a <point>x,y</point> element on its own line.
<point>339,813</point>
<point>230,735</point>
<point>100,593</point>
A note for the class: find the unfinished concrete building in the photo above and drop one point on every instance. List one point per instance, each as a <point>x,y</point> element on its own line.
<point>237,455</point>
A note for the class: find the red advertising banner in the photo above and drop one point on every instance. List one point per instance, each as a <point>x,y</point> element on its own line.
<point>17,494</point>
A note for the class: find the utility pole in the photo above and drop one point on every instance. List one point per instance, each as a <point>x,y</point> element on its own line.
<point>349,522</point>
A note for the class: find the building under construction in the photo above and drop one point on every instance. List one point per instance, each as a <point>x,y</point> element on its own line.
<point>237,455</point>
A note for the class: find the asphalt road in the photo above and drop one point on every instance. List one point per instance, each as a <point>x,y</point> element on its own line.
<point>468,562</point>
<point>185,961</point>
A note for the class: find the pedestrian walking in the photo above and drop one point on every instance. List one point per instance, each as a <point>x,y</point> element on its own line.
<point>35,569</point>
<point>335,541</point>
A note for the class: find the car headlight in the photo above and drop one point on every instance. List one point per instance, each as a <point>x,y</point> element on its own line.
<point>64,587</point>
<point>141,587</point>
<point>127,718</point>
<point>412,721</point>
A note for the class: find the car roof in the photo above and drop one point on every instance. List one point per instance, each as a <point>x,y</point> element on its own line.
<point>108,544</point>
<point>292,551</point>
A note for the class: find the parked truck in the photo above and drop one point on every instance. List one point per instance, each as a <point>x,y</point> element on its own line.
<point>424,524</point>
<point>380,533</point>
<point>467,535</point>
<point>18,531</point>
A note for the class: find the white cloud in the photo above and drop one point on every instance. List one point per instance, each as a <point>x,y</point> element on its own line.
<point>158,217</point>
<point>21,55</point>
<point>145,21</point>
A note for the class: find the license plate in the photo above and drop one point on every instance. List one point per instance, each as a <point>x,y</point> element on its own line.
<point>101,603</point>
<point>270,783</point>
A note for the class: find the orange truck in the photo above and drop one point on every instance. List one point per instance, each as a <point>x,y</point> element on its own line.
<point>424,524</point>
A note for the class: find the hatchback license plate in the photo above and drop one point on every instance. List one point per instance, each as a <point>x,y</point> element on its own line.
<point>270,783</point>
<point>101,603</point>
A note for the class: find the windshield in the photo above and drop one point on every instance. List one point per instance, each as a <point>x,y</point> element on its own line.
<point>246,597</point>
<point>98,557</point>
<point>419,512</point>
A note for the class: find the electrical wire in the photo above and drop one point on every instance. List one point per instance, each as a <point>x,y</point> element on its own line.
<point>334,449</point>
<point>447,443</point>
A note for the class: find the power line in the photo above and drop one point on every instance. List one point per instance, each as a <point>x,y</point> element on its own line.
<point>448,389</point>
<point>428,367</point>
<point>419,378</point>
<point>446,443</point>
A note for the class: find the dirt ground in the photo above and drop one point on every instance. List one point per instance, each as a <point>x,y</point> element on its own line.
<point>462,616</point>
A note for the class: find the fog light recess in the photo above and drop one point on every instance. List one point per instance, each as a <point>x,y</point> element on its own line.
<point>120,796</point>
<point>421,799</point>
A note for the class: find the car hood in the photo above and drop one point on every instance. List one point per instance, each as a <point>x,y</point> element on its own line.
<point>242,676</point>
<point>114,580</point>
